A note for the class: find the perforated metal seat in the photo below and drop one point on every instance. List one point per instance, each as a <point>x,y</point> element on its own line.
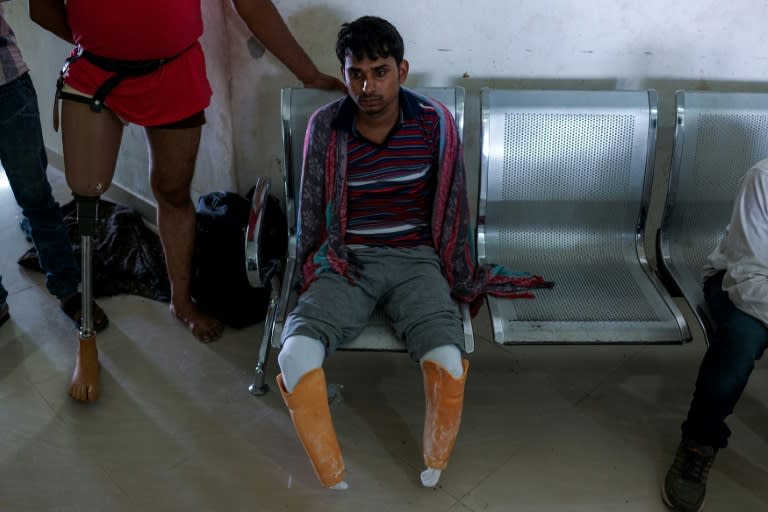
<point>718,137</point>
<point>298,104</point>
<point>564,193</point>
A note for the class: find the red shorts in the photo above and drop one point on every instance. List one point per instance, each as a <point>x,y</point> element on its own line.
<point>174,92</point>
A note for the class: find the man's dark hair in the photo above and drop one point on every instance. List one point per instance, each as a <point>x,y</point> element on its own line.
<point>370,37</point>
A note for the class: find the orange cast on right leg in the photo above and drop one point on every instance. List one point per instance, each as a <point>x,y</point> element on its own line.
<point>444,396</point>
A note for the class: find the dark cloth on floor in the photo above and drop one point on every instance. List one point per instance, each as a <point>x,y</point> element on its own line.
<point>220,284</point>
<point>127,256</point>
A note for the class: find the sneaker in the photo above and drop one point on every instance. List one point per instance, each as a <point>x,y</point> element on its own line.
<point>686,482</point>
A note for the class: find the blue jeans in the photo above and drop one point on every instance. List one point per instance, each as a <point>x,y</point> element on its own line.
<point>740,340</point>
<point>22,154</point>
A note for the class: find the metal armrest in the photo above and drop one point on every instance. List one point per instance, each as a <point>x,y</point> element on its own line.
<point>256,269</point>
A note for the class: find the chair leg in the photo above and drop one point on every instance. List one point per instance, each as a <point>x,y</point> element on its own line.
<point>308,405</point>
<point>259,387</point>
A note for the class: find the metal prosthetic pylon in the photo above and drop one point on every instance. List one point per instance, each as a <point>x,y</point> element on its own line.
<point>87,212</point>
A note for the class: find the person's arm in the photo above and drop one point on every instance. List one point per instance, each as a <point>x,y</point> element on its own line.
<point>52,16</point>
<point>746,247</point>
<point>266,23</point>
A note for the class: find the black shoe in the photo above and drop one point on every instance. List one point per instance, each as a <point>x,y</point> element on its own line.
<point>4,312</point>
<point>686,482</point>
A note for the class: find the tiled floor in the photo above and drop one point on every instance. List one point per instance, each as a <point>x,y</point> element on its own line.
<point>545,428</point>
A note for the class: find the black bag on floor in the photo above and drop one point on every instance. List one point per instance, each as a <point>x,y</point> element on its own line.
<point>219,281</point>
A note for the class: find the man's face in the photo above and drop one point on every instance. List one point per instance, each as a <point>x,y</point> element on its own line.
<point>374,85</point>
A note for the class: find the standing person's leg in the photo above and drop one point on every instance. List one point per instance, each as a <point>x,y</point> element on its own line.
<point>173,152</point>
<point>740,340</point>
<point>422,312</point>
<point>22,152</point>
<point>91,143</point>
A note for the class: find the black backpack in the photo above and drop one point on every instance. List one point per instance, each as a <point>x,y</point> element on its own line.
<point>219,281</point>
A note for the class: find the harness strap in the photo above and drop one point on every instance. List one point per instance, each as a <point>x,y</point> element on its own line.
<point>122,69</point>
<point>59,86</point>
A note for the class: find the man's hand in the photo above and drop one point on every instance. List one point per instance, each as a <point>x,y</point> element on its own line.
<point>323,81</point>
<point>268,26</point>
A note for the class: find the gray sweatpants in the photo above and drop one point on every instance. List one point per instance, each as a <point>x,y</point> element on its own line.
<point>406,282</point>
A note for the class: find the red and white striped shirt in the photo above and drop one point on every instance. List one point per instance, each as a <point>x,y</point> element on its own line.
<point>391,186</point>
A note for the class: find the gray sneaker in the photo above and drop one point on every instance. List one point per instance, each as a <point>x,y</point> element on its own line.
<point>686,483</point>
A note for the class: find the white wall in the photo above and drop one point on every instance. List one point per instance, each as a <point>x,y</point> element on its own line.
<point>602,44</point>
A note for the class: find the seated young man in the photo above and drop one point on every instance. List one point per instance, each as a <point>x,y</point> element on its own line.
<point>736,291</point>
<point>383,219</point>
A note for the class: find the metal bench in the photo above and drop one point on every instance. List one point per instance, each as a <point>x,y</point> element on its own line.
<point>718,137</point>
<point>565,186</point>
<point>297,105</point>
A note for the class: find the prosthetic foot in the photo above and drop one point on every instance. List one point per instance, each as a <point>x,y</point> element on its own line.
<point>85,379</point>
<point>308,405</point>
<point>444,396</point>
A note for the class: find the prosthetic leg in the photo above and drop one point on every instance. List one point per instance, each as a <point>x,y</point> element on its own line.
<point>85,379</point>
<point>444,396</point>
<point>91,143</point>
<point>308,405</point>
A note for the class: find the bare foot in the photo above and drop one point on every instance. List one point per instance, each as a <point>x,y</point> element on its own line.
<point>205,328</point>
<point>85,378</point>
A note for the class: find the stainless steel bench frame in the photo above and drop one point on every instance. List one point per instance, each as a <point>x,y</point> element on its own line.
<point>718,137</point>
<point>532,218</point>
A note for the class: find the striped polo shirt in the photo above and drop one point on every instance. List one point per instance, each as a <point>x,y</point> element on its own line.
<point>12,66</point>
<point>391,185</point>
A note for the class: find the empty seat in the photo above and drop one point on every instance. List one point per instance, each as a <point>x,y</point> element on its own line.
<point>565,185</point>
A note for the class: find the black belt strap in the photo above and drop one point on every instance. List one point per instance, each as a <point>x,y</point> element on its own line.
<point>122,69</point>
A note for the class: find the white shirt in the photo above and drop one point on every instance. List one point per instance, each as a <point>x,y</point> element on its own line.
<point>743,252</point>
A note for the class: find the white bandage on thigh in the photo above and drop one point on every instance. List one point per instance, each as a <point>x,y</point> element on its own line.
<point>299,355</point>
<point>447,356</point>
